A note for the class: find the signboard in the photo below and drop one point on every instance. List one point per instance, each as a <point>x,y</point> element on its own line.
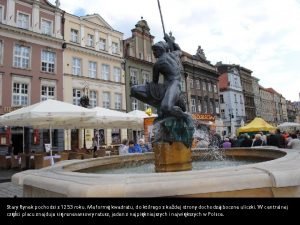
<point>8,109</point>
<point>203,116</point>
<point>48,147</point>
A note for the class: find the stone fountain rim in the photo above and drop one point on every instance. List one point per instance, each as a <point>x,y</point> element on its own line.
<point>278,173</point>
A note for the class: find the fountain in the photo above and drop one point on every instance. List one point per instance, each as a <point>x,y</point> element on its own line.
<point>276,172</point>
<point>277,176</point>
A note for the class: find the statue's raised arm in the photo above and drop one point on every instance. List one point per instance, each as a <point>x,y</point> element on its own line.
<point>171,42</point>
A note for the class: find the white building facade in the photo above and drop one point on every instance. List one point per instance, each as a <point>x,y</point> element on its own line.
<point>232,102</point>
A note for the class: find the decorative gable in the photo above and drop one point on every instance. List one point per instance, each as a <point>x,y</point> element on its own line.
<point>97,19</point>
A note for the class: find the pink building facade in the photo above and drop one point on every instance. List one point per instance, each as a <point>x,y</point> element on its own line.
<point>31,60</point>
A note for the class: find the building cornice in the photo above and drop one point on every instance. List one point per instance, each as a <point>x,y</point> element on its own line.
<point>75,48</point>
<point>21,34</point>
<point>94,80</point>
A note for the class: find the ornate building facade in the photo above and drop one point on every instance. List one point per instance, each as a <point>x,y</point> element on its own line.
<point>138,63</point>
<point>31,39</point>
<point>93,57</point>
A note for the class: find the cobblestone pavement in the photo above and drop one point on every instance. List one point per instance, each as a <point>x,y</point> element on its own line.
<point>8,189</point>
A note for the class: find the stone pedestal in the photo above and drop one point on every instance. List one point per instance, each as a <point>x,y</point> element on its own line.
<point>172,157</point>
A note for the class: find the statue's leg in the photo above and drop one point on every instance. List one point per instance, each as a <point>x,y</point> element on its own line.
<point>140,92</point>
<point>170,99</point>
<point>169,108</point>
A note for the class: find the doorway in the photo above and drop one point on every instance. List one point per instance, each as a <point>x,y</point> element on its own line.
<point>74,139</point>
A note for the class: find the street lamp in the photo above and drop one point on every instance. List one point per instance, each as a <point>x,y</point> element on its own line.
<point>84,102</point>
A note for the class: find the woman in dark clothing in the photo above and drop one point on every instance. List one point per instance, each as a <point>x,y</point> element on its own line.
<point>247,142</point>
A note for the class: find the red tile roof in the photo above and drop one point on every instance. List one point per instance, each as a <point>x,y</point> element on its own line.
<point>223,81</point>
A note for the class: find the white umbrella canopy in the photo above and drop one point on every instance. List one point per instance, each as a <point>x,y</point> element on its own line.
<point>45,114</point>
<point>108,118</point>
<point>289,126</point>
<point>104,118</point>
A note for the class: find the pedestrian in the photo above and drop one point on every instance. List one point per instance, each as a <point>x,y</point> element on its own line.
<point>95,144</point>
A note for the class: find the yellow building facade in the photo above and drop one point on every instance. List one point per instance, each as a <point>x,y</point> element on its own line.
<point>92,66</point>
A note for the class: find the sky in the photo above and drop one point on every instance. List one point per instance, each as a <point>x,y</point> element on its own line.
<point>260,35</point>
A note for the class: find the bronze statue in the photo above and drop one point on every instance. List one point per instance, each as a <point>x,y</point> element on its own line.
<point>167,97</point>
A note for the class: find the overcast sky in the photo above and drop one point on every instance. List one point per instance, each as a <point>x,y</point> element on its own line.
<point>260,35</point>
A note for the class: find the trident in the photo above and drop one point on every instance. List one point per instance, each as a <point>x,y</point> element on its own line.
<point>162,21</point>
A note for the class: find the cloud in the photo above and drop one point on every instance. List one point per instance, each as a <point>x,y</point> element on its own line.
<point>261,35</point>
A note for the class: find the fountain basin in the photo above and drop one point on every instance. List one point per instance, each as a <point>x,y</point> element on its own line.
<point>278,177</point>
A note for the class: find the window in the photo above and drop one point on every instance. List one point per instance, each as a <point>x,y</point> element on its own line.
<point>134,104</point>
<point>115,48</point>
<point>223,114</point>
<point>93,99</point>
<point>20,94</point>
<point>141,55</point>
<point>76,66</point>
<point>92,69</point>
<point>215,89</point>
<point>241,99</point>
<point>21,56</point>
<point>48,61</point>
<point>106,100</point>
<point>209,87</point>
<point>74,36</point>
<point>47,92</point>
<point>199,105</point>
<point>90,40</point>
<point>133,77</point>
<point>221,99</point>
<point>204,106</point>
<point>46,27</point>
<point>115,136</point>
<point>117,74</point>
<point>105,72</point>
<point>203,85</point>
<point>118,101</point>
<point>235,99</point>
<point>101,136</point>
<point>235,81</point>
<point>182,85</point>
<point>197,84</point>
<point>193,105</point>
<point>211,107</point>
<point>192,83</point>
<point>146,77</point>
<point>76,96</point>
<point>1,52</point>
<point>1,13</point>
<point>23,21</point>
<point>102,44</point>
<point>217,106</point>
<point>46,137</point>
